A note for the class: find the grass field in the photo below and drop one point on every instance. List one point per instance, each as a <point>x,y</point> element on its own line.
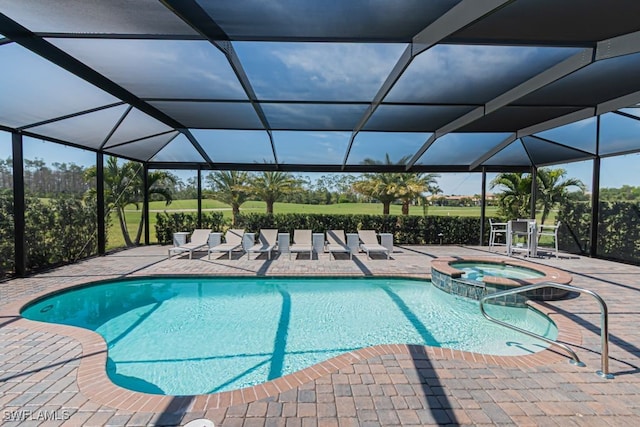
<point>133,216</point>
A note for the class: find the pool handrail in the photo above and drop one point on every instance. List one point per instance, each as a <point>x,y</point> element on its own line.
<point>604,321</point>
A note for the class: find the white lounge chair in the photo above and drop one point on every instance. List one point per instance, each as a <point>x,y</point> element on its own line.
<point>267,242</point>
<point>302,242</point>
<point>336,242</point>
<point>199,239</point>
<point>233,242</point>
<point>370,242</point>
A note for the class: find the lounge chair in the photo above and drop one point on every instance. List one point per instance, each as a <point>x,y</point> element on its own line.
<point>336,242</point>
<point>199,239</point>
<point>267,241</point>
<point>370,242</point>
<point>302,242</point>
<point>233,241</point>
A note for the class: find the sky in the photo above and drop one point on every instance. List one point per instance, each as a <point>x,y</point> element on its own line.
<point>616,171</point>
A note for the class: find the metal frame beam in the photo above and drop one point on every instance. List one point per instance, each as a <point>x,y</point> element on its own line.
<point>19,207</point>
<point>145,201</point>
<point>100,204</point>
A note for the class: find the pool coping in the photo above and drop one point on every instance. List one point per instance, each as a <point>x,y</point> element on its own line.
<point>94,383</point>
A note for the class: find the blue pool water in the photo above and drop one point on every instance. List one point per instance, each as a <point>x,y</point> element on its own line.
<point>194,336</point>
<point>477,270</point>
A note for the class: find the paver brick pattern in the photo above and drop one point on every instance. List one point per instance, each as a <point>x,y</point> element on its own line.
<point>39,368</point>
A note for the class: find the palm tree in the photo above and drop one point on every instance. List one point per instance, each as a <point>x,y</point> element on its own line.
<point>380,186</point>
<point>514,201</point>
<point>387,187</point>
<point>230,187</point>
<point>123,186</point>
<point>412,186</point>
<point>160,185</point>
<point>552,189</point>
<point>270,186</point>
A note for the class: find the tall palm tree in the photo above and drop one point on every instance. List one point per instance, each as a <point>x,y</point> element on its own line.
<point>388,187</point>
<point>381,186</point>
<point>230,187</point>
<point>553,188</point>
<point>123,186</point>
<point>412,186</point>
<point>160,185</point>
<point>514,201</point>
<point>270,186</point>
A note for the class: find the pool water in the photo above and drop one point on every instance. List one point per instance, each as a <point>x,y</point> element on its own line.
<point>477,270</point>
<point>195,336</point>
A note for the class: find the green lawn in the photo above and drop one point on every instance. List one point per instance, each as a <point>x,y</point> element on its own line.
<point>133,216</point>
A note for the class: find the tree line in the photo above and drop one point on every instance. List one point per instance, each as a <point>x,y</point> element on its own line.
<point>124,187</point>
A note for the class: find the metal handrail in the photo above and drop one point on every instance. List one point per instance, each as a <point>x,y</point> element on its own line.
<point>604,321</point>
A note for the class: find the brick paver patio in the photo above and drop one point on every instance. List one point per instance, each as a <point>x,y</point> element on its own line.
<point>54,375</point>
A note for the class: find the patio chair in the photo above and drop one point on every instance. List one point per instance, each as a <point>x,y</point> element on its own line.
<point>302,242</point>
<point>551,231</point>
<point>497,230</point>
<point>267,242</point>
<point>233,242</point>
<point>370,243</point>
<point>199,239</point>
<point>521,229</point>
<point>336,242</point>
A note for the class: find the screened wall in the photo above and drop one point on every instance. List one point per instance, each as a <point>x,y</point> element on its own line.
<point>346,86</point>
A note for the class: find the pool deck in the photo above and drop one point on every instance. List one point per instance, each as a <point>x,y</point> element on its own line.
<point>54,375</point>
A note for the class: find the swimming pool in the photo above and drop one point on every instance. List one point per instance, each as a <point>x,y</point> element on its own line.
<point>203,335</point>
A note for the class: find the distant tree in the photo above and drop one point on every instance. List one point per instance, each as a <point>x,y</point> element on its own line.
<point>413,186</point>
<point>387,187</point>
<point>271,186</point>
<point>230,187</point>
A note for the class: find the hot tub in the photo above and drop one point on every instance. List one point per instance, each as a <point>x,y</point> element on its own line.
<point>475,277</point>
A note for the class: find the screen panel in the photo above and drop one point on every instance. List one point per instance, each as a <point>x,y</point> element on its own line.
<point>460,148</point>
<point>581,134</point>
<point>89,130</point>
<point>471,74</point>
<point>606,79</point>
<point>179,149</point>
<point>144,149</point>
<point>399,20</point>
<point>325,117</point>
<point>34,90</point>
<point>211,115</point>
<point>136,125</point>
<point>544,153</point>
<point>317,71</point>
<point>311,147</point>
<point>618,134</point>
<point>235,146</point>
<point>180,69</point>
<point>96,17</point>
<point>513,154</point>
<point>385,147</point>
<point>413,118</point>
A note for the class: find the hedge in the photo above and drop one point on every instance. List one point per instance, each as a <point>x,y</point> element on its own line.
<point>167,224</point>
